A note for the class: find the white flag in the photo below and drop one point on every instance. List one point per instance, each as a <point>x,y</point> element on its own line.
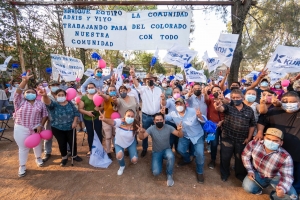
<point>89,72</point>
<point>118,74</point>
<point>3,66</point>
<point>225,47</point>
<point>211,63</point>
<point>251,74</point>
<point>285,59</point>
<point>179,77</point>
<point>178,55</point>
<point>192,75</point>
<point>276,76</point>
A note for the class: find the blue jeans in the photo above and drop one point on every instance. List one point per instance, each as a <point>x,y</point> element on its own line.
<point>183,146</point>
<point>131,150</point>
<point>214,144</point>
<point>296,183</point>
<point>157,161</point>
<point>147,121</point>
<point>90,130</point>
<point>173,138</point>
<point>251,187</point>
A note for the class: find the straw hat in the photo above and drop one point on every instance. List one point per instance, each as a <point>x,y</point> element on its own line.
<point>149,76</point>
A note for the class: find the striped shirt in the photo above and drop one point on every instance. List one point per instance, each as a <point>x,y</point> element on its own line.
<point>27,114</point>
<point>269,165</point>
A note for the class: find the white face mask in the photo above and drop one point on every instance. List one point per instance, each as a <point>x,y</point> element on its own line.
<point>164,85</point>
<point>179,108</point>
<point>61,99</point>
<point>290,107</point>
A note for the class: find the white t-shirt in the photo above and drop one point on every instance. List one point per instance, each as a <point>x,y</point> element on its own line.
<point>134,94</point>
<point>12,93</point>
<point>124,138</point>
<point>150,98</point>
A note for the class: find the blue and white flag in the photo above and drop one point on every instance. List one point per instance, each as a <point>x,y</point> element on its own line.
<point>3,66</point>
<point>225,47</point>
<point>89,72</point>
<point>211,63</point>
<point>251,74</point>
<point>118,74</point>
<point>178,55</point>
<point>276,76</point>
<point>285,59</point>
<point>192,75</point>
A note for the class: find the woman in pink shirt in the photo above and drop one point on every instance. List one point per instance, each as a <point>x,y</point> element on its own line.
<point>30,117</point>
<point>278,90</point>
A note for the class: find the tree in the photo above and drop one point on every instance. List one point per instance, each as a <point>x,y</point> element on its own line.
<point>143,59</point>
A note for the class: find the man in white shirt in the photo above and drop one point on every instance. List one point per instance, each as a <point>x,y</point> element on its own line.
<point>152,98</point>
<point>3,98</point>
<point>130,91</point>
<point>12,89</point>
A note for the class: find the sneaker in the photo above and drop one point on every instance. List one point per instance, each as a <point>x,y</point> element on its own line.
<point>46,157</point>
<point>143,154</point>
<point>182,163</point>
<point>170,181</point>
<point>200,178</point>
<point>22,171</point>
<point>77,158</point>
<point>259,193</point>
<point>121,170</point>
<point>212,164</point>
<point>63,162</point>
<point>39,162</point>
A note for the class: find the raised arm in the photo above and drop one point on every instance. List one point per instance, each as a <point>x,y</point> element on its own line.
<point>222,84</point>
<point>263,108</point>
<point>178,132</point>
<point>110,122</point>
<point>23,83</point>
<point>263,73</point>
<point>45,99</point>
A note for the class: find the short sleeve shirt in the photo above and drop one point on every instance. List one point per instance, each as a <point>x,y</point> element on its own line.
<point>160,138</point>
<point>124,138</point>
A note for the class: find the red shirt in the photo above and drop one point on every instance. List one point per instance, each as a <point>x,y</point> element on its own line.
<point>212,114</point>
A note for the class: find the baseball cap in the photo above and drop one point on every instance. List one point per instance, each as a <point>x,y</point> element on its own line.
<point>275,132</point>
<point>179,100</point>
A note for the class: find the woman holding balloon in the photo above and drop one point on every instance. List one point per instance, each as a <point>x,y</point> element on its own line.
<point>64,116</point>
<point>30,117</point>
<point>89,107</point>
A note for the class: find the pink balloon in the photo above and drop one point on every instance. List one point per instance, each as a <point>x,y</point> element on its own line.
<point>77,79</point>
<point>71,94</point>
<point>46,134</point>
<point>101,63</point>
<point>115,115</point>
<point>97,100</point>
<point>285,83</point>
<point>32,140</point>
<point>77,99</point>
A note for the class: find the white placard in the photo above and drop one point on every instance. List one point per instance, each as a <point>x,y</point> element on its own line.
<point>118,30</point>
<point>276,76</point>
<point>3,67</point>
<point>285,59</point>
<point>89,72</point>
<point>225,47</point>
<point>151,29</point>
<point>69,68</point>
<point>192,75</point>
<point>118,74</point>
<point>179,55</point>
<point>211,63</point>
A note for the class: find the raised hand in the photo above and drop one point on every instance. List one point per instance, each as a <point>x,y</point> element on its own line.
<point>111,67</point>
<point>179,126</point>
<point>198,112</point>
<point>263,99</point>
<point>221,96</point>
<point>217,104</point>
<point>26,77</point>
<point>140,129</point>
<point>275,99</point>
<point>263,72</point>
<point>101,116</point>
<point>227,71</point>
<point>41,91</point>
<point>163,110</point>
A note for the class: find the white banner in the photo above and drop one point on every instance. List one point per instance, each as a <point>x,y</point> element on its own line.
<point>140,74</point>
<point>179,55</point>
<point>211,63</point>
<point>276,76</point>
<point>251,74</point>
<point>118,74</point>
<point>225,47</point>
<point>285,59</point>
<point>179,77</point>
<point>69,68</point>
<point>118,30</point>
<point>89,72</point>
<point>192,75</point>
<point>3,67</point>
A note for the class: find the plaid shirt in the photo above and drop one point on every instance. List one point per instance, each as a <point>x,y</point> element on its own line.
<point>28,115</point>
<point>237,122</point>
<point>269,165</point>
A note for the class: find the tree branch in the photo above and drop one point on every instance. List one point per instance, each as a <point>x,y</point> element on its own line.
<point>255,20</point>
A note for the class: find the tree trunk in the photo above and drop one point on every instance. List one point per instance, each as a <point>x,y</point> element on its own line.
<point>238,15</point>
<point>82,55</point>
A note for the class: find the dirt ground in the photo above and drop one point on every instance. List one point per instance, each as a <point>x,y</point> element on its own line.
<point>83,181</point>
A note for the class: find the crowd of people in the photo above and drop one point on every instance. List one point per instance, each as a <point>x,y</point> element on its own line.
<point>257,125</point>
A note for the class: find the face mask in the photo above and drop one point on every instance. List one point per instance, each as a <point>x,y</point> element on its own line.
<point>176,95</point>
<point>208,92</point>
<point>151,83</point>
<point>127,85</point>
<point>123,95</point>
<point>271,145</point>
<point>268,99</point>
<point>99,74</point>
<point>179,108</point>
<point>277,86</point>
<point>159,124</point>
<point>30,96</point>
<point>112,93</point>
<point>61,99</point>
<point>233,88</point>
<point>129,120</point>
<point>264,84</point>
<point>290,107</point>
<point>164,85</point>
<point>250,98</point>
<point>16,85</point>
<point>91,91</point>
<point>237,102</point>
<point>197,92</point>
<point>45,84</point>
<point>54,89</point>
<point>63,83</point>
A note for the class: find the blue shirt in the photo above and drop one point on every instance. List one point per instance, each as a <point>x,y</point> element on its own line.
<point>62,117</point>
<point>191,126</point>
<point>170,104</point>
<point>197,103</point>
<point>97,82</point>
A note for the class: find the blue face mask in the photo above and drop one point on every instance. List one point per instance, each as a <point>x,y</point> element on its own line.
<point>54,88</point>
<point>271,145</point>
<point>112,93</point>
<point>61,99</point>
<point>129,120</point>
<point>99,74</point>
<point>264,84</point>
<point>91,91</point>
<point>30,96</point>
<point>250,98</point>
